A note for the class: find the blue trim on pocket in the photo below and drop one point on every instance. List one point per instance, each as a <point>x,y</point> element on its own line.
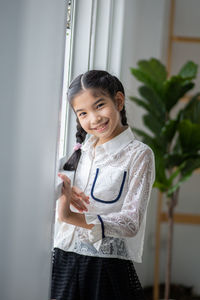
<point>112,201</point>
<point>102,226</point>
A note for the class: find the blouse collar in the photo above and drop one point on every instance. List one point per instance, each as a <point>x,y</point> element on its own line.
<point>112,146</point>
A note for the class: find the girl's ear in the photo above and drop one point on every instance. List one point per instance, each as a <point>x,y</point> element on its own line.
<point>119,98</point>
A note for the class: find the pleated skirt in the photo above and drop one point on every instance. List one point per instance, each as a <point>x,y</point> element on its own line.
<point>80,277</point>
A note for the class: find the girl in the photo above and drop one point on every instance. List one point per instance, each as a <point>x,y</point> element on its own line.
<point>100,221</point>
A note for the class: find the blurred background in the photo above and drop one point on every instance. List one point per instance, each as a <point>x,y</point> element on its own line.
<point>44,45</point>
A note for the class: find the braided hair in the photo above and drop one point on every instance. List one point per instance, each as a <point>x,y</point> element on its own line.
<point>106,84</point>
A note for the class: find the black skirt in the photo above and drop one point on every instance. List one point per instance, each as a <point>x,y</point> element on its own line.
<point>80,277</point>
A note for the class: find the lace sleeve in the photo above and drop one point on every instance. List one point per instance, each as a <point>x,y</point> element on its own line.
<point>126,223</point>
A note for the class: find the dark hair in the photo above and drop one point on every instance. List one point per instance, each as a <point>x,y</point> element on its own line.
<point>100,81</point>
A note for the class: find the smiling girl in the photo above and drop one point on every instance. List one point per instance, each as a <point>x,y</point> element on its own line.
<point>101,216</point>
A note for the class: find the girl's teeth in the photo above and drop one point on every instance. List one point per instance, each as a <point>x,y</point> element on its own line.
<point>101,127</point>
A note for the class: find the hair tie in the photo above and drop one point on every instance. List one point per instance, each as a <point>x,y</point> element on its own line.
<point>77,146</point>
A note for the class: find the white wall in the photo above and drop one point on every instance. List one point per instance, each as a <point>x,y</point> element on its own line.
<point>32,34</point>
<point>145,36</point>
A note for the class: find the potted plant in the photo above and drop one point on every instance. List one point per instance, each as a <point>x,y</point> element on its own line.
<point>174,140</point>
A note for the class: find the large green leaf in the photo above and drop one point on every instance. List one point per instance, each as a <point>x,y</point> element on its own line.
<point>161,177</point>
<point>143,104</point>
<point>154,68</point>
<point>174,159</point>
<point>189,70</point>
<point>174,89</point>
<point>190,165</point>
<point>186,171</point>
<point>153,99</point>
<point>169,129</point>
<point>192,110</point>
<point>176,173</point>
<point>149,108</point>
<point>189,134</point>
<point>145,78</point>
<point>151,72</point>
<point>154,143</point>
<point>147,139</point>
<point>177,185</point>
<point>153,124</point>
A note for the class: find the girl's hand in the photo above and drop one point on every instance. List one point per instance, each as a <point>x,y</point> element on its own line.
<point>64,201</point>
<point>78,198</point>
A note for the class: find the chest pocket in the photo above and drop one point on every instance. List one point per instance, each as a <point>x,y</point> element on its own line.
<point>108,185</point>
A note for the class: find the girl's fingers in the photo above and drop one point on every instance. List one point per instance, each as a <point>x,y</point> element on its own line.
<point>78,205</point>
<point>84,197</point>
<point>77,192</point>
<point>64,178</point>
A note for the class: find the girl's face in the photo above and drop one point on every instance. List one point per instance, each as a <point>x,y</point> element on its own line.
<point>99,115</point>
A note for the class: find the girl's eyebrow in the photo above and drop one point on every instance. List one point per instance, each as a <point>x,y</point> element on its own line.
<point>95,103</point>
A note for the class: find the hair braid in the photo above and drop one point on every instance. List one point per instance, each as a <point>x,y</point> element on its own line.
<point>80,133</point>
<point>120,88</point>
<point>72,162</point>
<point>123,117</point>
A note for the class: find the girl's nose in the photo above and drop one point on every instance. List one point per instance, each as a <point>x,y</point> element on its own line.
<point>95,119</point>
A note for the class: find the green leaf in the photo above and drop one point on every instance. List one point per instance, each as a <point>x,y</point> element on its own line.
<point>190,165</point>
<point>174,89</point>
<point>162,187</point>
<point>154,143</point>
<point>145,137</point>
<point>152,73</point>
<point>145,78</point>
<point>153,99</point>
<point>169,129</point>
<point>176,173</point>
<point>189,134</point>
<point>174,159</point>
<point>160,169</point>
<point>192,110</point>
<point>189,70</point>
<point>177,185</point>
<point>155,113</point>
<point>153,124</point>
<point>186,170</point>
<point>141,103</point>
<point>154,68</point>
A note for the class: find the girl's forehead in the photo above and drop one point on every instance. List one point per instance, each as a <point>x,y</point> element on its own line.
<point>96,93</point>
<point>88,97</point>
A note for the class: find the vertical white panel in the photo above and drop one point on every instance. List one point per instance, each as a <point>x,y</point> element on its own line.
<point>80,54</point>
<point>32,48</point>
<point>103,22</point>
<point>116,37</point>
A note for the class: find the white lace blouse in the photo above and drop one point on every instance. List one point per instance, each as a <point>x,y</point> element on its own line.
<point>118,177</point>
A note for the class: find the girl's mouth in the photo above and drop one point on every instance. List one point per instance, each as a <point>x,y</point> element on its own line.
<point>101,127</point>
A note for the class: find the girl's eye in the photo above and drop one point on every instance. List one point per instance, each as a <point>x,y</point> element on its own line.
<point>82,114</point>
<point>100,105</point>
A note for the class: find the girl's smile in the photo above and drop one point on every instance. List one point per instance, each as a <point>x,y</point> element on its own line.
<point>99,115</point>
<point>101,127</point>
